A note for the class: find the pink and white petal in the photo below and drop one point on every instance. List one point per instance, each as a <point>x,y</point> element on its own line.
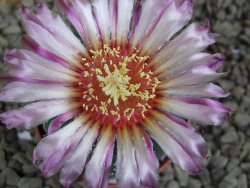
<point>53,150</point>
<point>148,15</point>
<point>33,57</point>
<point>199,90</point>
<point>197,75</point>
<point>91,37</point>
<point>204,111</point>
<point>147,161</point>
<point>179,48</point>
<point>213,61</point>
<point>101,10</point>
<point>57,123</point>
<point>36,113</point>
<point>185,135</point>
<point>67,8</point>
<point>27,92</point>
<point>178,153</point>
<point>175,16</point>
<point>54,25</point>
<point>126,165</point>
<point>31,45</point>
<point>124,15</point>
<point>27,64</point>
<point>48,42</point>
<point>74,165</point>
<point>97,169</point>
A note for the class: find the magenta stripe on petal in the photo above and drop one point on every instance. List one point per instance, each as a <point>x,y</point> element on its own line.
<point>33,46</point>
<point>59,121</point>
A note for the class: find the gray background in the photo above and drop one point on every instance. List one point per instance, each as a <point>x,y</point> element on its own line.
<point>229,144</point>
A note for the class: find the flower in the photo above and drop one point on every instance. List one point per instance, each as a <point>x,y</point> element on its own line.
<point>130,79</point>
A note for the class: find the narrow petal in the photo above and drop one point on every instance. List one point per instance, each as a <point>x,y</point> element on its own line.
<point>193,39</point>
<point>67,8</point>
<point>174,149</point>
<point>126,166</point>
<point>97,169</point>
<point>26,64</point>
<point>34,114</point>
<point>197,75</point>
<point>48,42</point>
<point>149,14</point>
<point>212,61</point>
<point>204,111</point>
<point>54,25</point>
<point>91,37</point>
<point>199,90</point>
<point>175,16</point>
<point>52,151</point>
<point>27,92</point>
<point>123,10</point>
<point>101,10</point>
<point>185,135</point>
<point>70,171</point>
<point>147,161</point>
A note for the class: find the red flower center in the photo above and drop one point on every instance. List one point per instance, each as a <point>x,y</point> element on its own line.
<point>117,86</point>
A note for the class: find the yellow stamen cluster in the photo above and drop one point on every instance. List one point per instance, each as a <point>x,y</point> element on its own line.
<point>122,79</point>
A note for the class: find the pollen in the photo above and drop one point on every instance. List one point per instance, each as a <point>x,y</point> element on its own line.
<point>117,84</point>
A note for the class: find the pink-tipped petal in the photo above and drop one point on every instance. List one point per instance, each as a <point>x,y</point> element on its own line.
<point>27,92</point>
<point>147,161</point>
<point>197,75</point>
<point>126,165</point>
<point>201,110</point>
<point>34,114</point>
<point>48,42</point>
<point>193,39</point>
<point>98,167</point>
<point>185,135</point>
<point>212,61</point>
<point>173,146</point>
<point>148,15</point>
<point>175,16</point>
<point>26,64</point>
<point>67,8</point>
<point>52,151</point>
<point>91,35</point>
<point>199,90</point>
<point>74,165</point>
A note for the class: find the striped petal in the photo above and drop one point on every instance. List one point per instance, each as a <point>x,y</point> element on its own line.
<point>55,41</point>
<point>176,144</point>
<point>199,90</point>
<point>121,13</point>
<point>26,64</point>
<point>197,75</point>
<point>147,162</point>
<point>126,166</point>
<point>193,39</point>
<point>34,114</point>
<point>52,151</point>
<point>204,111</point>
<point>175,16</point>
<point>28,92</point>
<point>101,10</point>
<point>91,36</point>
<point>148,15</point>
<point>70,171</point>
<point>97,173</point>
<point>212,61</point>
